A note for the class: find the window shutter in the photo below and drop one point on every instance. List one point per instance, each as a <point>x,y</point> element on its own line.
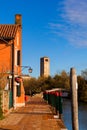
<point>19,90</point>
<point>18,57</point>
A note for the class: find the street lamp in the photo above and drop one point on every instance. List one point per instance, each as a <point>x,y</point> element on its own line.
<point>29,68</point>
<point>28,76</point>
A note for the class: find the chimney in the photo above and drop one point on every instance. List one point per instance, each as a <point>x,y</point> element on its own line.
<point>18,19</point>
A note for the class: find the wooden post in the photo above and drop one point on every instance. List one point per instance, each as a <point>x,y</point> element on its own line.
<point>74,100</point>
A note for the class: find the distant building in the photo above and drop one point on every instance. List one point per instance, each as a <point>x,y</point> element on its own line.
<point>44,66</point>
<point>26,77</point>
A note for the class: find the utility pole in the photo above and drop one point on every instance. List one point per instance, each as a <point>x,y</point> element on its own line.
<point>74,99</point>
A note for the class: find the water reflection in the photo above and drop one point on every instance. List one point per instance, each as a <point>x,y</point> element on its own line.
<point>67,115</point>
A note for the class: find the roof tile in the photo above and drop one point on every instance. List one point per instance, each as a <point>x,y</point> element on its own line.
<point>8,31</point>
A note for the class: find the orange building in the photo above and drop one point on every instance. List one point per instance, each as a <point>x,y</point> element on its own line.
<point>11,61</point>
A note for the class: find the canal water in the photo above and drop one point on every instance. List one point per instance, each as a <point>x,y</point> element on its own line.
<point>82,113</point>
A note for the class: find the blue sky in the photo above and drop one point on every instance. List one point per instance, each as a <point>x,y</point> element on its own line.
<point>53,28</point>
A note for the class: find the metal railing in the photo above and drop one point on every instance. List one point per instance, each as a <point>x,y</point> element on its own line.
<point>54,98</point>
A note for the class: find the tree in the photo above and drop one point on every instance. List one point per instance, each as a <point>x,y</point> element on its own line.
<point>82,89</point>
<point>45,83</point>
<point>65,79</point>
<point>84,74</point>
<point>62,80</point>
<point>57,81</point>
<point>30,86</point>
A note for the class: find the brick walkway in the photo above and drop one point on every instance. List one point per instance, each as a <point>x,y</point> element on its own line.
<point>36,115</point>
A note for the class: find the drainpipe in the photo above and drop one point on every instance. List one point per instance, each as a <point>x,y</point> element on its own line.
<point>13,79</point>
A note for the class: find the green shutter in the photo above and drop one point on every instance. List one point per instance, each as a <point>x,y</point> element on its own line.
<point>10,99</point>
<point>19,90</point>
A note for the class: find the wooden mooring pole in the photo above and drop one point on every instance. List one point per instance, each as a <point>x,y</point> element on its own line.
<point>74,99</point>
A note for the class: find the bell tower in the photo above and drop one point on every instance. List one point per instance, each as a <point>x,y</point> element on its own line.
<point>44,66</point>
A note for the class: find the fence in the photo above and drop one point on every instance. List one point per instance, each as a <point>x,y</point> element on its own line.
<point>54,98</point>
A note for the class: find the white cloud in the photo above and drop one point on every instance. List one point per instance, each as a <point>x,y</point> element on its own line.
<point>75,11</point>
<point>72,24</point>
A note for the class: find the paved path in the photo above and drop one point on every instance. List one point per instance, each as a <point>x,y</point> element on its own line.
<point>36,115</point>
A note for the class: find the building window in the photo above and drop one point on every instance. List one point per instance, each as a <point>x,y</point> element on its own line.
<point>46,60</point>
<point>15,57</point>
<point>18,57</point>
